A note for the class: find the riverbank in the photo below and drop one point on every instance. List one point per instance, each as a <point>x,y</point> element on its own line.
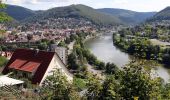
<point>90,62</point>
<point>104,49</point>
<point>91,37</point>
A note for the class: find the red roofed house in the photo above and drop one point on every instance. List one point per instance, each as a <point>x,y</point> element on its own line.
<point>35,65</point>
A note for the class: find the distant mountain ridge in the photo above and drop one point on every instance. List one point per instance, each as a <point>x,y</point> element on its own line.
<point>76,11</point>
<point>105,16</point>
<point>162,15</point>
<point>18,12</point>
<point>128,16</point>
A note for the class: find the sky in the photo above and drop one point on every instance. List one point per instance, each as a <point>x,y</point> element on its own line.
<point>135,5</point>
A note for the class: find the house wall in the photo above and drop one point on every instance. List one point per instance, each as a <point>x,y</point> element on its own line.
<point>56,63</point>
<point>61,51</point>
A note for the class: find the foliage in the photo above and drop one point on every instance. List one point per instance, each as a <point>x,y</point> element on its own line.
<point>142,47</point>
<point>72,62</point>
<point>82,55</point>
<point>56,87</point>
<point>110,89</point>
<point>137,82</point>
<point>62,44</point>
<point>80,83</point>
<point>18,13</point>
<point>111,68</point>
<point>166,92</point>
<point>3,16</point>
<point>132,81</point>
<point>162,15</point>
<point>166,59</point>
<point>68,40</point>
<point>128,16</point>
<point>13,93</point>
<point>41,45</point>
<point>78,12</point>
<point>3,61</point>
<point>94,88</point>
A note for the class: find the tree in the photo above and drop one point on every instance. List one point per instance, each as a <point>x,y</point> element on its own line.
<point>73,37</point>
<point>42,46</point>
<point>67,40</point>
<point>62,44</point>
<point>3,61</point>
<point>110,89</point>
<point>56,87</point>
<point>72,62</point>
<point>166,59</point>
<point>137,82</point>
<point>3,16</point>
<point>29,38</point>
<point>111,68</point>
<point>94,88</point>
<point>166,92</point>
<point>126,84</point>
<point>101,66</point>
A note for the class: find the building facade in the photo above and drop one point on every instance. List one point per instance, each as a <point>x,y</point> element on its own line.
<point>61,51</point>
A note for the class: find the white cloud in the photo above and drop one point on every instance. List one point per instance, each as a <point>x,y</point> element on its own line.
<point>136,5</point>
<point>33,1</point>
<point>12,1</point>
<point>120,1</point>
<point>52,0</point>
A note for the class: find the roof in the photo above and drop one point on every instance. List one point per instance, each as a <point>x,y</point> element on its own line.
<point>4,80</point>
<point>25,65</point>
<point>17,63</point>
<point>30,66</point>
<point>30,61</point>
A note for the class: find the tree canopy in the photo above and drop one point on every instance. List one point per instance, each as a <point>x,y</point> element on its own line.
<point>3,16</point>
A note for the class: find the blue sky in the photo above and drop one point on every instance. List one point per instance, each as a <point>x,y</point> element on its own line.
<point>136,5</point>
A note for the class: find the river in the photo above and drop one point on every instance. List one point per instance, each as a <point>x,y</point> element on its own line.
<point>102,47</point>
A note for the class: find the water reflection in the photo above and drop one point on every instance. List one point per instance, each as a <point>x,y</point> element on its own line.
<point>102,47</point>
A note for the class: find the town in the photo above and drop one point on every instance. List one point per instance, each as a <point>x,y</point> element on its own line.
<point>84,50</point>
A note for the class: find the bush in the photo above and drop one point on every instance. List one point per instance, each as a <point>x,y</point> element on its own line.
<point>80,83</point>
<point>3,61</point>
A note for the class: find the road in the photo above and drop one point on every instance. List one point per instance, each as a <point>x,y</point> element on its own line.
<point>70,47</point>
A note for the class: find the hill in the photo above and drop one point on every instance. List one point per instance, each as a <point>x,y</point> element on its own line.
<point>76,11</point>
<point>105,16</point>
<point>18,13</point>
<point>128,16</point>
<point>162,15</point>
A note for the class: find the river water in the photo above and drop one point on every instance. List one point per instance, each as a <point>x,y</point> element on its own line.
<point>103,48</point>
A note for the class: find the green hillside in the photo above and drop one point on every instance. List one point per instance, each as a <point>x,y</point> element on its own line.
<point>17,12</point>
<point>76,11</point>
<point>128,16</point>
<point>162,15</point>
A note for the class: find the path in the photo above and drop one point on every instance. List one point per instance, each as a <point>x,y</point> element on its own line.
<point>70,47</point>
<point>99,73</point>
